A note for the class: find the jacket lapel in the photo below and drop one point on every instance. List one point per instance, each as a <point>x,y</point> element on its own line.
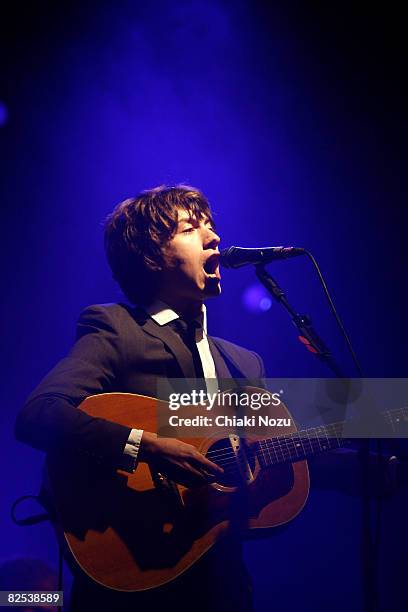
<point>221,367</point>
<point>174,343</point>
<point>229,374</point>
<point>179,350</point>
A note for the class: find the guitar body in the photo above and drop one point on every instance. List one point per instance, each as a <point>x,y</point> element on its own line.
<point>133,532</point>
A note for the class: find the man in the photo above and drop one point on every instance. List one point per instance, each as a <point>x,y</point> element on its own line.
<point>163,251</point>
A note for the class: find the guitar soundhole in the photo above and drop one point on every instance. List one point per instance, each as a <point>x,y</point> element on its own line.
<point>233,463</point>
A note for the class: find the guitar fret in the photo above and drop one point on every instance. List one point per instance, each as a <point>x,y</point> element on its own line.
<point>299,445</point>
<point>307,442</point>
<point>269,451</point>
<point>296,445</point>
<point>262,458</point>
<point>287,449</point>
<point>394,417</point>
<point>301,442</point>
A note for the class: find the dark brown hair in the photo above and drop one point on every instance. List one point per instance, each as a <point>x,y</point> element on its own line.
<point>138,229</point>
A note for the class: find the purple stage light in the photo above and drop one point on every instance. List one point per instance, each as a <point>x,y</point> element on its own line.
<point>256,299</point>
<point>3,114</point>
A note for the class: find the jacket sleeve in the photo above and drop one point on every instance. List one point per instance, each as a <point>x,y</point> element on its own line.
<point>50,420</point>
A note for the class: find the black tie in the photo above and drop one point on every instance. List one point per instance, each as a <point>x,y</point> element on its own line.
<point>187,332</point>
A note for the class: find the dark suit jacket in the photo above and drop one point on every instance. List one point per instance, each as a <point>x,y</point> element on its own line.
<point>118,348</point>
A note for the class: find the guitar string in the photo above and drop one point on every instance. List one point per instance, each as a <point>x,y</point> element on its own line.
<point>294,437</point>
<point>285,454</point>
<point>296,442</point>
<point>315,444</point>
<point>303,433</point>
<point>268,458</point>
<point>292,446</point>
<point>274,443</point>
<point>232,465</point>
<point>230,459</point>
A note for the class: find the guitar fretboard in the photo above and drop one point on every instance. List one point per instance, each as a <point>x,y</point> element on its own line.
<point>299,445</point>
<point>308,442</point>
<point>396,418</point>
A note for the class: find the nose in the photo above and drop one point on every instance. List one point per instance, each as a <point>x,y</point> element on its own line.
<point>211,239</point>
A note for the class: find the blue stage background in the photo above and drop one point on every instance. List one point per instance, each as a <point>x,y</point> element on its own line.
<point>291,120</point>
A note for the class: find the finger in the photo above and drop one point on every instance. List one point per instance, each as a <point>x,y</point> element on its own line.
<point>192,470</point>
<point>210,476</point>
<point>206,463</point>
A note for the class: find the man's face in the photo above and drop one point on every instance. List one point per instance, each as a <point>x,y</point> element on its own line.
<point>192,257</point>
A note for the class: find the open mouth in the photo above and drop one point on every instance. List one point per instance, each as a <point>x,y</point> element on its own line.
<point>212,267</point>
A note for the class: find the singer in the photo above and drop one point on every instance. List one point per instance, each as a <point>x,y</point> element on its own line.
<point>162,247</point>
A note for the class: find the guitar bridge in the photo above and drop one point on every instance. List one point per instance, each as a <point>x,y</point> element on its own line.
<point>241,458</point>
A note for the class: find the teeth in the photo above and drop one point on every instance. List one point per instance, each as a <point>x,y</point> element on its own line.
<point>212,274</point>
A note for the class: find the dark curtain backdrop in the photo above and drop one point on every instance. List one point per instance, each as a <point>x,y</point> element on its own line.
<point>292,119</point>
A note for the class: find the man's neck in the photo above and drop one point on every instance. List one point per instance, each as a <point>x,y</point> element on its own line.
<point>187,310</point>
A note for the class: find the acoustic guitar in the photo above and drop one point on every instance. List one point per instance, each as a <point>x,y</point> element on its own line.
<point>133,532</point>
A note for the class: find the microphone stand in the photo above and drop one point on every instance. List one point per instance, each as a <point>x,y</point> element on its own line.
<point>308,335</point>
<point>312,341</point>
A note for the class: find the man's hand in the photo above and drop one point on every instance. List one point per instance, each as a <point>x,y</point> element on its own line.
<point>181,462</point>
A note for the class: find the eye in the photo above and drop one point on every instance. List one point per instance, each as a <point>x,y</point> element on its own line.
<point>211,225</point>
<point>187,230</point>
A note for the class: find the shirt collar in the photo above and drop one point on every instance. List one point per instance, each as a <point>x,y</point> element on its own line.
<point>162,313</point>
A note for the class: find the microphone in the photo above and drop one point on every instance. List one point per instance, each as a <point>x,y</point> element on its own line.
<point>236,257</point>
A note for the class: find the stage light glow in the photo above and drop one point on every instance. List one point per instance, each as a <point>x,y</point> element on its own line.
<point>265,303</point>
<point>3,114</point>
<point>256,299</point>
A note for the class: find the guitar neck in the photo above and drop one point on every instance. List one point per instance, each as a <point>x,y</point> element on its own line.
<point>315,440</point>
<point>395,419</point>
<point>299,445</point>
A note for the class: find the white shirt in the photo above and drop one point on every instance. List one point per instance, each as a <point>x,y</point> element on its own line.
<point>163,314</point>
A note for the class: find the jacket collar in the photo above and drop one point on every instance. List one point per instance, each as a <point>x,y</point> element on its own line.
<point>153,320</point>
<point>162,313</point>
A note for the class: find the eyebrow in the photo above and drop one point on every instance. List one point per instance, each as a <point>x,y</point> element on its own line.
<point>192,220</point>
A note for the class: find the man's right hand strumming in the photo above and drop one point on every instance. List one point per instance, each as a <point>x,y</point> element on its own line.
<point>181,462</point>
